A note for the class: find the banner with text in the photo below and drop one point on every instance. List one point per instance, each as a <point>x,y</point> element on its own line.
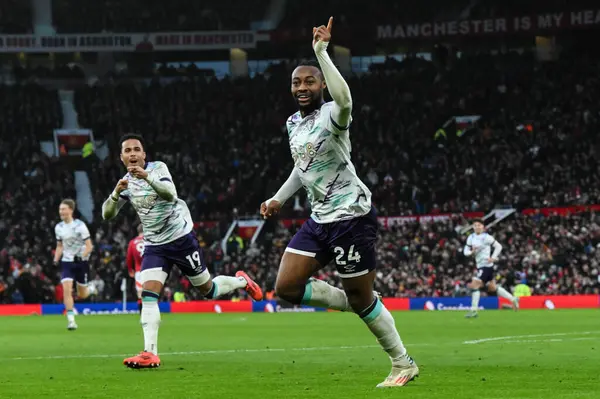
<point>491,26</point>
<point>104,308</point>
<point>128,42</point>
<point>391,221</point>
<point>552,302</point>
<point>445,303</point>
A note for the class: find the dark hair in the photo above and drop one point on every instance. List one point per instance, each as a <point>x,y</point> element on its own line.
<point>140,228</point>
<point>68,202</point>
<point>312,63</point>
<point>478,221</point>
<point>132,136</point>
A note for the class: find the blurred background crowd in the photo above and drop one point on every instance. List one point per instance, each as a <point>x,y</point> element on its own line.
<point>533,144</point>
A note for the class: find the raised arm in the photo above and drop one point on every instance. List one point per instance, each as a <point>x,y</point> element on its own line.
<point>337,86</point>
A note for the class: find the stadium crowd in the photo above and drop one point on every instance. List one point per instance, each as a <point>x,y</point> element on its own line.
<point>556,255</point>
<point>534,146</point>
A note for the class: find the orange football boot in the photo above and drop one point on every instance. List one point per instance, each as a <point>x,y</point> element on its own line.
<point>252,288</point>
<point>145,360</point>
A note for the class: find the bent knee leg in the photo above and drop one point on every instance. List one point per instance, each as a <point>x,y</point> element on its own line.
<point>289,291</point>
<point>294,272</point>
<point>359,299</point>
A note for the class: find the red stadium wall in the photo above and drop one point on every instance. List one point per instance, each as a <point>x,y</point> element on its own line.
<point>556,302</point>
<point>211,306</point>
<point>20,310</point>
<point>393,304</point>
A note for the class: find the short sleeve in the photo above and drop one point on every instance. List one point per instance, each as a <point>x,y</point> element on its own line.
<point>83,231</point>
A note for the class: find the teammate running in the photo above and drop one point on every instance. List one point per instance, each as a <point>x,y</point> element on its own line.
<point>135,251</point>
<point>73,249</point>
<point>479,245</point>
<point>343,225</point>
<point>168,240</point>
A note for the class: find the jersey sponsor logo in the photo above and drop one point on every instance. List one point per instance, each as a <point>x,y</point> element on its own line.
<point>145,203</point>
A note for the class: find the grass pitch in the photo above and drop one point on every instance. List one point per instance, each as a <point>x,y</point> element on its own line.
<point>502,354</point>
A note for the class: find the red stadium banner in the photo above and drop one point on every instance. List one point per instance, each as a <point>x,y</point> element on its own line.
<point>390,221</point>
<point>556,302</point>
<point>396,303</point>
<point>211,306</point>
<point>20,310</point>
<point>563,211</point>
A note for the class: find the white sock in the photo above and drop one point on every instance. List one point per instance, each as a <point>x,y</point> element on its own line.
<point>70,316</point>
<point>504,294</point>
<point>320,294</point>
<point>381,323</point>
<point>223,285</point>
<point>150,319</point>
<point>475,300</point>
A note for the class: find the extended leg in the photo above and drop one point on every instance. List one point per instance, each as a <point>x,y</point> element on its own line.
<point>381,323</point>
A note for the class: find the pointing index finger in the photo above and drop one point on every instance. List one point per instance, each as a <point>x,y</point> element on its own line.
<point>329,24</point>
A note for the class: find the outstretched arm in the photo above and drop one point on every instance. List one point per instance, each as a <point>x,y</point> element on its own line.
<point>337,86</point>
<point>289,188</point>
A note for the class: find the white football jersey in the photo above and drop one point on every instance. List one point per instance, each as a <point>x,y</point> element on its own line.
<point>321,153</point>
<point>483,244</point>
<point>163,221</point>
<point>73,236</point>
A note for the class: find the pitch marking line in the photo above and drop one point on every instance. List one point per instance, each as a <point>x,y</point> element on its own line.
<point>505,339</point>
<point>508,338</point>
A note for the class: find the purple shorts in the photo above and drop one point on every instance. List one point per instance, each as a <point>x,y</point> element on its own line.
<point>77,271</point>
<point>185,253</point>
<point>350,243</point>
<point>485,274</point>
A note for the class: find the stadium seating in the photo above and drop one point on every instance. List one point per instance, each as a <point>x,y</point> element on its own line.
<point>534,146</point>
<point>31,187</point>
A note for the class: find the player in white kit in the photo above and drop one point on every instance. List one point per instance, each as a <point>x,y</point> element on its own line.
<point>479,245</point>
<point>169,241</point>
<point>73,249</point>
<point>343,225</point>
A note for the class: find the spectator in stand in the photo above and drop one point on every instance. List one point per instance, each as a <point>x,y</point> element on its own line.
<point>235,155</point>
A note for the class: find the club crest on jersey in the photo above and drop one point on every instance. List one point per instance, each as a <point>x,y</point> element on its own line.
<point>309,125</point>
<point>145,203</point>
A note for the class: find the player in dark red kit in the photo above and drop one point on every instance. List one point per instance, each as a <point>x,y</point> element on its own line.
<point>135,251</point>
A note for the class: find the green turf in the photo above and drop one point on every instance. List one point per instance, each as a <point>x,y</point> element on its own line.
<point>552,354</point>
